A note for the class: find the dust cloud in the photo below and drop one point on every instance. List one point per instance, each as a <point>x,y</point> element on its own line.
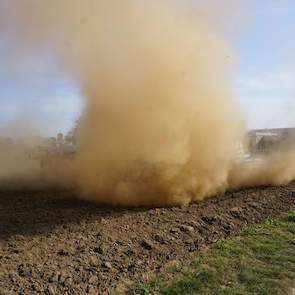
<point>276,168</point>
<point>160,122</point>
<point>26,164</point>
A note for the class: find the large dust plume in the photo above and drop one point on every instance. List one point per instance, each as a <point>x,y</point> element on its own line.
<point>160,123</point>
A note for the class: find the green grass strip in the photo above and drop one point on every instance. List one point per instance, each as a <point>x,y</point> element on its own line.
<point>259,261</point>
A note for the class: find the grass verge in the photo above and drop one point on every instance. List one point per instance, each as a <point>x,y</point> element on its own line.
<point>259,261</point>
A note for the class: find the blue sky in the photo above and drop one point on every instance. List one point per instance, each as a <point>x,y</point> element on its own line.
<point>36,84</point>
<point>264,82</point>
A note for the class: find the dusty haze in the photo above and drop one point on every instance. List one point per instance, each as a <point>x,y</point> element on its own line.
<point>160,123</point>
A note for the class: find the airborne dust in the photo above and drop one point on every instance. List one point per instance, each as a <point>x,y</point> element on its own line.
<point>161,123</point>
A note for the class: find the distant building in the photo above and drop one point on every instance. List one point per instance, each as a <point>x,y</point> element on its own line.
<point>266,140</point>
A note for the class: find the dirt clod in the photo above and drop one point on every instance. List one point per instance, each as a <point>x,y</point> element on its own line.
<point>236,211</point>
<point>146,244</point>
<point>187,229</point>
<point>51,290</point>
<point>107,265</point>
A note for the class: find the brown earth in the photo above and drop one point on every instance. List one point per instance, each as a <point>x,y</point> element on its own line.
<point>53,244</point>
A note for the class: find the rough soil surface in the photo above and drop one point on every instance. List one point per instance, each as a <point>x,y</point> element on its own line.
<point>50,244</point>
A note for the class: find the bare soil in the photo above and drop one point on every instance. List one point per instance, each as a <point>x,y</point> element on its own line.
<point>52,243</point>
